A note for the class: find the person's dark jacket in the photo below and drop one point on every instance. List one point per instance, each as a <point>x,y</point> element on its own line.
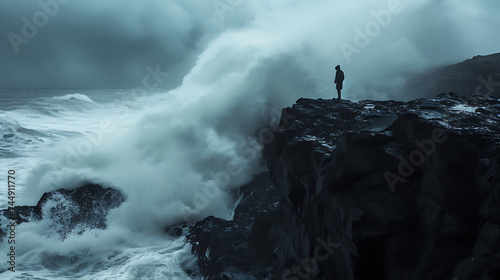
<point>339,78</point>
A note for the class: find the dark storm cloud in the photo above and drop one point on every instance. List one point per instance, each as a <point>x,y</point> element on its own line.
<point>109,43</point>
<point>267,55</point>
<point>97,44</point>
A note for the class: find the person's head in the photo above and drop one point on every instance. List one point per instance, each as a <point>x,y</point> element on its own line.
<point>337,67</point>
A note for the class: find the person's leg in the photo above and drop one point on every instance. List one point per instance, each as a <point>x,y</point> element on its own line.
<point>338,92</point>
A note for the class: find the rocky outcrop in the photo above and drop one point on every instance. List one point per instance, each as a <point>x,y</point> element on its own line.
<point>478,75</point>
<point>71,211</point>
<point>244,247</point>
<point>389,190</point>
<point>369,190</point>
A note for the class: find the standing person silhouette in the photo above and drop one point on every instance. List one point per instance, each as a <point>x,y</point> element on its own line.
<point>339,79</point>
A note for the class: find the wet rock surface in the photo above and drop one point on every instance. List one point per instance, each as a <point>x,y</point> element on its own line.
<point>70,211</point>
<point>244,247</point>
<point>403,190</point>
<point>369,190</point>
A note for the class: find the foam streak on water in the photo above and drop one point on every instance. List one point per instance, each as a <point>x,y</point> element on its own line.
<point>177,155</point>
<point>32,123</point>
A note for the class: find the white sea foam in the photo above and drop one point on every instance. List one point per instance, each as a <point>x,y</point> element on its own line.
<point>175,155</point>
<point>75,97</point>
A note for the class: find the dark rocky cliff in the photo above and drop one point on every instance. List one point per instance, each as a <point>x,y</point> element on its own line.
<point>400,190</point>
<point>370,190</point>
<point>478,75</point>
<point>245,247</point>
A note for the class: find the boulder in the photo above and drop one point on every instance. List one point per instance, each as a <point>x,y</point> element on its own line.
<point>70,211</point>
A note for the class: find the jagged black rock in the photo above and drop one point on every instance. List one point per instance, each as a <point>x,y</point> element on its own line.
<point>340,216</point>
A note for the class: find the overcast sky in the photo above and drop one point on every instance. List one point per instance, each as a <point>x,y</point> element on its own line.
<point>110,43</point>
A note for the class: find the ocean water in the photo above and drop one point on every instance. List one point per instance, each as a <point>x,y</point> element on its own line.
<point>34,120</point>
<point>180,156</point>
<point>44,138</point>
<point>176,156</point>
